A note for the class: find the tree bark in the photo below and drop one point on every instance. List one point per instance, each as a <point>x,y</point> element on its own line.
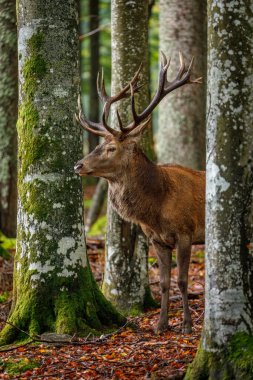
<point>54,289</point>
<point>126,270</point>
<point>98,201</point>
<point>94,68</point>
<point>181,118</point>
<point>8,117</point>
<point>227,340</point>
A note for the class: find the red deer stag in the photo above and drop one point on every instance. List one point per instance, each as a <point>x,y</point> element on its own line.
<point>167,201</point>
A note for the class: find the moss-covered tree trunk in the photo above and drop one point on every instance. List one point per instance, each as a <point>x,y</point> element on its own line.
<point>8,117</point>
<point>227,343</point>
<point>181,121</point>
<point>53,288</point>
<point>126,271</point>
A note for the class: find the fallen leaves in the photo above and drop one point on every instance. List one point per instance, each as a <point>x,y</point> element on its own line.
<point>132,353</point>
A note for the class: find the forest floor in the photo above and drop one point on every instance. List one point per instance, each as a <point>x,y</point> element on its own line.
<point>133,351</point>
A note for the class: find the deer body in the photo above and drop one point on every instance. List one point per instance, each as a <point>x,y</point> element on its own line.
<point>167,201</point>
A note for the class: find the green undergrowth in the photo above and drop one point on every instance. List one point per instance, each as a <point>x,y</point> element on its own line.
<point>99,227</point>
<point>4,296</point>
<point>6,244</point>
<point>87,203</point>
<point>18,366</point>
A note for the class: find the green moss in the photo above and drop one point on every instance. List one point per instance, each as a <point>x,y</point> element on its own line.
<point>149,301</point>
<point>198,370</point>
<point>4,296</point>
<point>79,307</point>
<point>234,362</point>
<point>18,366</point>
<point>241,352</point>
<point>32,146</point>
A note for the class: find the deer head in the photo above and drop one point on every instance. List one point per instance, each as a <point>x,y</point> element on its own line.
<point>109,158</point>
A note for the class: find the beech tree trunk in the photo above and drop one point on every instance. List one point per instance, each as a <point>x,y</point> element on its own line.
<point>54,289</point>
<point>126,270</point>
<point>8,117</point>
<point>94,69</point>
<point>181,117</point>
<point>227,341</point>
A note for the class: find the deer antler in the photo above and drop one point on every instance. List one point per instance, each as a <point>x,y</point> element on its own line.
<point>164,87</point>
<point>103,129</point>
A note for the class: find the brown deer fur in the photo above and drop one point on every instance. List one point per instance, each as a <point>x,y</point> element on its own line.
<point>167,201</point>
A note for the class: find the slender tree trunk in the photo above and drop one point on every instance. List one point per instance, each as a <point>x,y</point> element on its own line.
<point>8,117</point>
<point>94,68</point>
<point>227,341</point>
<point>98,201</point>
<point>181,123</point>
<point>53,286</point>
<point>126,275</point>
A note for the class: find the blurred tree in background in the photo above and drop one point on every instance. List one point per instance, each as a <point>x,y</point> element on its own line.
<point>126,270</point>
<point>8,117</point>
<point>181,129</point>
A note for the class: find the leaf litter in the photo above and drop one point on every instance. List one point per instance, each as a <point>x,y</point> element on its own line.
<point>133,352</point>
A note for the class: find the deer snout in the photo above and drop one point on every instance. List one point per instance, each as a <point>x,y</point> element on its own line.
<point>78,167</point>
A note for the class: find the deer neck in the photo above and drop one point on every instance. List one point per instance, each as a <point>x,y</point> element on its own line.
<point>131,192</point>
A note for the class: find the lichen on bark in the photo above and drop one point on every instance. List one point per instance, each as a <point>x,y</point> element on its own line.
<point>228,327</point>
<point>126,270</point>
<point>54,289</point>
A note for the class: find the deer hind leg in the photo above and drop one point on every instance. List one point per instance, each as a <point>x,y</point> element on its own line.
<point>164,255</point>
<point>183,262</point>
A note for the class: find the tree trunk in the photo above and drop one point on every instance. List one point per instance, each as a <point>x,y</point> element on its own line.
<point>126,270</point>
<point>98,201</point>
<point>94,68</point>
<point>8,117</point>
<point>54,289</point>
<point>227,341</point>
<point>181,123</point>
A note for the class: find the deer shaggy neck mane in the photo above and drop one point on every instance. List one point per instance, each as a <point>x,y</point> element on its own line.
<point>134,191</point>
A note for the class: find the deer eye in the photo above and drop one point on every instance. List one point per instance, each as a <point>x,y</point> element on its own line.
<point>111,149</point>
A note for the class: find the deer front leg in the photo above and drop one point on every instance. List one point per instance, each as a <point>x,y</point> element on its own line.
<point>164,255</point>
<point>183,261</point>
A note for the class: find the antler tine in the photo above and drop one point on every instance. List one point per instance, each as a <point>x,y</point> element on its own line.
<point>109,100</point>
<point>164,87</point>
<point>85,124</point>
<point>134,113</point>
<point>182,66</point>
<point>197,80</point>
<point>182,77</point>
<point>165,63</point>
<point>119,121</point>
<point>105,125</point>
<point>101,87</point>
<point>90,126</point>
<point>135,123</point>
